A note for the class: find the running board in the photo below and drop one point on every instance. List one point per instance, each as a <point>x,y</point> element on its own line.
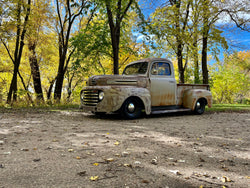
<point>171,111</point>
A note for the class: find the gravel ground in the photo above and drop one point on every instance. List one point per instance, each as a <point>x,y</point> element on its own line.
<point>76,149</point>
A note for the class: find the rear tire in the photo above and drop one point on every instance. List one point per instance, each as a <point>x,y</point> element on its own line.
<point>200,107</point>
<point>131,109</point>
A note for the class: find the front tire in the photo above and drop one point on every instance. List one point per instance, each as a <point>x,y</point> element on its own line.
<point>200,107</point>
<point>131,108</point>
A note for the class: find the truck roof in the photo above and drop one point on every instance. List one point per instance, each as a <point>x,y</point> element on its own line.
<point>151,59</point>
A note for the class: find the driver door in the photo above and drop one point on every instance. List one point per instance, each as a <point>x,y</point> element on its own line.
<point>162,84</point>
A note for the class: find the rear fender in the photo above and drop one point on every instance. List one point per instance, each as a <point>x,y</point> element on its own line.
<point>191,96</point>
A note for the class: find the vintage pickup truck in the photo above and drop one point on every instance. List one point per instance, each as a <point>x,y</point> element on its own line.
<point>147,85</point>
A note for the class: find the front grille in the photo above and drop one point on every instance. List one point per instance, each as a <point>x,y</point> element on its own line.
<point>90,97</point>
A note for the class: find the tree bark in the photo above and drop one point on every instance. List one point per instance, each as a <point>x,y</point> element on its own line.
<point>49,91</point>
<point>196,62</point>
<point>204,58</point>
<point>179,43</point>
<point>35,72</point>
<point>59,79</point>
<point>180,63</point>
<point>205,32</point>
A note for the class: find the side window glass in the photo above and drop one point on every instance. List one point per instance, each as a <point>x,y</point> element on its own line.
<point>161,69</point>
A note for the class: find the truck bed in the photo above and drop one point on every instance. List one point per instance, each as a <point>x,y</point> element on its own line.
<point>182,87</point>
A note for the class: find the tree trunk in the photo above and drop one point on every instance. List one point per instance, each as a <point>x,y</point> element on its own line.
<point>13,85</point>
<point>179,43</point>
<point>59,79</point>
<point>50,89</point>
<point>115,28</point>
<point>205,32</point>
<point>115,46</point>
<point>204,58</point>
<point>18,50</point>
<point>180,64</point>
<point>35,72</point>
<point>64,36</point>
<point>196,63</point>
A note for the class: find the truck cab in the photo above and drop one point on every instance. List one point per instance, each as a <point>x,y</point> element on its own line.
<point>147,85</point>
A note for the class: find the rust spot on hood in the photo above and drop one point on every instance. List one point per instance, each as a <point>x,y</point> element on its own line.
<point>105,80</point>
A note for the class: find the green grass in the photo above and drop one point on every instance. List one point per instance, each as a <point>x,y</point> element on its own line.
<point>229,108</point>
<point>41,107</point>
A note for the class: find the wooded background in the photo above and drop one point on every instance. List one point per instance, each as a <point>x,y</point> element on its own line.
<point>49,47</point>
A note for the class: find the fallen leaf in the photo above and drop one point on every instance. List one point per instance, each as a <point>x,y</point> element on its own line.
<point>78,157</point>
<point>70,150</point>
<point>225,179</point>
<point>96,164</point>
<point>110,160</point>
<point>116,143</point>
<point>125,154</point>
<point>145,181</point>
<point>202,160</point>
<point>154,161</point>
<point>83,173</point>
<point>181,161</point>
<point>107,133</point>
<point>176,172</point>
<point>128,165</point>
<point>201,186</point>
<point>24,149</point>
<point>206,175</point>
<point>90,153</point>
<point>94,178</point>
<point>137,162</point>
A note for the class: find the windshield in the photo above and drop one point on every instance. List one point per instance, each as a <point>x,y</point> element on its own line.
<point>137,68</point>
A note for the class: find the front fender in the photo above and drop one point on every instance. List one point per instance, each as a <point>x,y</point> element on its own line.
<point>120,94</point>
<point>191,96</point>
<point>114,97</point>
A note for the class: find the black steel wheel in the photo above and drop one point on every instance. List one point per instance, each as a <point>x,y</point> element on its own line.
<point>131,108</point>
<point>200,107</point>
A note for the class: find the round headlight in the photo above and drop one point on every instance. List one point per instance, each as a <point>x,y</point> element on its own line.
<point>101,95</point>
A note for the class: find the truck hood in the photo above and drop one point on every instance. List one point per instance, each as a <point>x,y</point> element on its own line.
<point>104,80</point>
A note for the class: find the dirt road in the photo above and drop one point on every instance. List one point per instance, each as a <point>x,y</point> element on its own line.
<point>75,149</point>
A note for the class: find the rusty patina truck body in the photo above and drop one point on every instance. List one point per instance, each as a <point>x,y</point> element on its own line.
<point>147,85</point>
